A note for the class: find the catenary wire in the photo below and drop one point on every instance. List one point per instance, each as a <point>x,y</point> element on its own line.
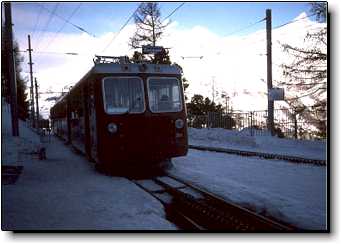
<point>176,9</point>
<point>63,26</point>
<point>37,22</point>
<point>69,22</point>
<point>293,21</point>
<point>123,26</point>
<point>246,27</point>
<point>47,23</point>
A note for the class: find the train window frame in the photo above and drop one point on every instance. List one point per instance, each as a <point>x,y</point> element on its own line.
<point>180,95</point>
<point>128,112</point>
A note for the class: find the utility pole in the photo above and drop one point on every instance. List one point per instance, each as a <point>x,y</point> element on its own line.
<point>213,89</point>
<point>31,77</point>
<point>227,101</point>
<point>11,68</point>
<point>269,71</point>
<point>227,109</point>
<point>37,104</point>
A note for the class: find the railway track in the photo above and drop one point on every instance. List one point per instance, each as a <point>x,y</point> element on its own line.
<point>293,159</point>
<point>192,208</point>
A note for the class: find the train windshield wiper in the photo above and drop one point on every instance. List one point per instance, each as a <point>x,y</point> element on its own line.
<point>118,110</point>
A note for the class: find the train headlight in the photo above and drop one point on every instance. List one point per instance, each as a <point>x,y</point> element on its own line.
<point>112,128</point>
<point>179,123</point>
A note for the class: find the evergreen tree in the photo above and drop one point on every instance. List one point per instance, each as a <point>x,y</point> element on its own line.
<point>23,104</point>
<point>21,82</point>
<point>201,106</point>
<point>203,112</point>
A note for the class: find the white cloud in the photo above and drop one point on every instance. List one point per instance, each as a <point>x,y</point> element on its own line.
<point>237,63</point>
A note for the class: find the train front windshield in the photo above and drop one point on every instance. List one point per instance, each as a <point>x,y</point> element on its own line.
<point>123,95</point>
<point>126,95</point>
<point>164,94</point>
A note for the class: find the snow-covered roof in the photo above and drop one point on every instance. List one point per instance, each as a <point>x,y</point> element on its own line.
<point>136,68</point>
<point>131,68</point>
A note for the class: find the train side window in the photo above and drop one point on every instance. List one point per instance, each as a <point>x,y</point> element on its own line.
<point>164,94</point>
<point>123,95</point>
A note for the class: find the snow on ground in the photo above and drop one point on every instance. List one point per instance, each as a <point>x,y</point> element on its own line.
<point>218,137</point>
<point>294,193</point>
<point>64,192</point>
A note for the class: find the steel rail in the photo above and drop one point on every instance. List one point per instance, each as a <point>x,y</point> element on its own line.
<point>196,209</point>
<point>173,214</point>
<point>245,215</point>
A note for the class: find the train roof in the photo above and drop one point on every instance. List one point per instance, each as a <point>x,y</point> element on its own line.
<point>133,68</point>
<point>120,65</point>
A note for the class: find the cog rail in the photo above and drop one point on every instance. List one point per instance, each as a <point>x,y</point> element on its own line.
<point>192,208</point>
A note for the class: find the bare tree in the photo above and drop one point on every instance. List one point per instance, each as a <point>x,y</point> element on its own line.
<point>149,27</point>
<point>307,74</point>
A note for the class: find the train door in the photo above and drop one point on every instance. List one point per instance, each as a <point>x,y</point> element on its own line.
<point>135,137</point>
<point>92,121</point>
<point>125,106</point>
<point>165,101</point>
<point>86,120</point>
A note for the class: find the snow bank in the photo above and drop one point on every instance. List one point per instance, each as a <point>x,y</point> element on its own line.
<point>218,137</point>
<point>294,193</point>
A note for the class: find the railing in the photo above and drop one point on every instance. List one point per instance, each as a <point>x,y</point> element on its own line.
<point>287,123</point>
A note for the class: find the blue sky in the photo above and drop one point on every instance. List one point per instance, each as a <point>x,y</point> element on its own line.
<point>98,18</point>
<point>202,28</point>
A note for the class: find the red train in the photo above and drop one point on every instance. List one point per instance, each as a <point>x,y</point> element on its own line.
<point>124,115</point>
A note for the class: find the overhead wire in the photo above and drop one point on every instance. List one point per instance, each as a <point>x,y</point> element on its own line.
<point>246,27</point>
<point>69,22</point>
<point>281,25</point>
<point>58,53</point>
<point>37,22</point>
<point>47,23</point>
<point>63,26</point>
<point>176,9</point>
<point>131,16</point>
<point>276,27</point>
<point>123,26</point>
<point>293,21</point>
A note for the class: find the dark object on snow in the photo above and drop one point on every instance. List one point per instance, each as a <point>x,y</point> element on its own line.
<point>10,174</point>
<point>279,132</point>
<point>42,153</point>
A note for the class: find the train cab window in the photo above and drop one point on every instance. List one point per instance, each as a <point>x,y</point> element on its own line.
<point>123,95</point>
<point>164,94</point>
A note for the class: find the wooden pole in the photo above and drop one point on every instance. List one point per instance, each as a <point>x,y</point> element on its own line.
<point>11,68</point>
<point>31,77</point>
<point>269,72</point>
<point>37,104</point>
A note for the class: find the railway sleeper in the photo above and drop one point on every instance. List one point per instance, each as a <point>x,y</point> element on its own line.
<point>208,217</point>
